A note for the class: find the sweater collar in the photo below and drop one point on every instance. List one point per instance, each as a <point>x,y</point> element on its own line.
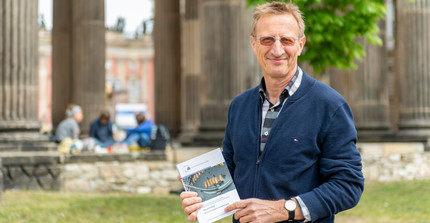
<point>306,84</point>
<point>289,90</point>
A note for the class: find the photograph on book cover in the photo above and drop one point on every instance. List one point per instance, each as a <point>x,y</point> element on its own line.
<point>210,182</point>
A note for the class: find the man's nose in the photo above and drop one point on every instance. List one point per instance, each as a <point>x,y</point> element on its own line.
<point>277,48</point>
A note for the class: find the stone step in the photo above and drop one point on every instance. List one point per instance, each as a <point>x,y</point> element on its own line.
<point>31,158</point>
<point>27,146</point>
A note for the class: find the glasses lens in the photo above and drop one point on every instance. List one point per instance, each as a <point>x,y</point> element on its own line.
<point>267,40</point>
<point>287,41</point>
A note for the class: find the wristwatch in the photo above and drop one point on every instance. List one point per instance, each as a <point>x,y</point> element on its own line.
<point>290,205</point>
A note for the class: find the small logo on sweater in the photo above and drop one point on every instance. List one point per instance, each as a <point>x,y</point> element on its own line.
<point>296,140</point>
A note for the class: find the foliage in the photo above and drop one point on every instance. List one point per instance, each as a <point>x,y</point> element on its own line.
<point>332,28</point>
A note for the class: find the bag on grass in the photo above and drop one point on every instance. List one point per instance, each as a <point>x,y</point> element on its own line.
<point>160,138</point>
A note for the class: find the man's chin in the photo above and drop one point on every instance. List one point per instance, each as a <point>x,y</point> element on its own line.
<point>277,74</point>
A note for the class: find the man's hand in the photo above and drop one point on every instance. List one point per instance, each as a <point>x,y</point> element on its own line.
<point>256,210</point>
<point>190,204</point>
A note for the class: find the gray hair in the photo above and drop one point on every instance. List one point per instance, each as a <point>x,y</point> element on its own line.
<point>279,8</point>
<point>72,111</point>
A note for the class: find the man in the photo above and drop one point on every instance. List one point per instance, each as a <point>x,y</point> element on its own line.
<point>69,127</point>
<point>101,130</point>
<point>141,134</point>
<point>290,142</point>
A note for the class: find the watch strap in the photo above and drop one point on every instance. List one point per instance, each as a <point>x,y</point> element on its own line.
<point>291,215</point>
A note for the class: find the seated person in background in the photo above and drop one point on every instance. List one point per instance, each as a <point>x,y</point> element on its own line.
<point>140,134</point>
<point>69,127</point>
<point>101,130</point>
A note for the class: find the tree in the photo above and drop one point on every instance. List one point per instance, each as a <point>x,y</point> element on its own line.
<point>332,27</point>
<point>119,25</point>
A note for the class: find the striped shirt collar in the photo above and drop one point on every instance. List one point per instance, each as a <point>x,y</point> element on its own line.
<point>291,87</point>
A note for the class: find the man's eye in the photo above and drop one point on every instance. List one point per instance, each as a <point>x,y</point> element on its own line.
<point>267,39</point>
<point>287,41</point>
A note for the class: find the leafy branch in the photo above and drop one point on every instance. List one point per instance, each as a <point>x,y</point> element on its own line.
<point>332,27</point>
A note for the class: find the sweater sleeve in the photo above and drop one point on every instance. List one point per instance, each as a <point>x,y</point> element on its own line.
<point>340,168</point>
<point>227,146</point>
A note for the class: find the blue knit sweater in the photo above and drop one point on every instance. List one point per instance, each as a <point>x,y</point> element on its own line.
<point>310,151</point>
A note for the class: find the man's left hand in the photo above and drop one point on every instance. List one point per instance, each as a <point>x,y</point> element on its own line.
<point>256,210</point>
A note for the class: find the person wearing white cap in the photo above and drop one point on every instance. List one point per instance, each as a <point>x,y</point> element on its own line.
<point>69,127</point>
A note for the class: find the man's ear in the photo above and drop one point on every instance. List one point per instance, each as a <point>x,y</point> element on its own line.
<point>252,39</point>
<point>302,44</point>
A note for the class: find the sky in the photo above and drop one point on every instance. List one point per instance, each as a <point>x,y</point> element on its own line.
<point>134,12</point>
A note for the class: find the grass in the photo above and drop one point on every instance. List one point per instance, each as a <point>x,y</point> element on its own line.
<point>403,201</point>
<point>406,201</point>
<point>44,207</point>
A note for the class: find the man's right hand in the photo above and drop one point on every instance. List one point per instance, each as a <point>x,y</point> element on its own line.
<point>190,204</point>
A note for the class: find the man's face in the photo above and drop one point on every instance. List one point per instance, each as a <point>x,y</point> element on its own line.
<point>78,116</point>
<point>277,61</point>
<point>104,121</point>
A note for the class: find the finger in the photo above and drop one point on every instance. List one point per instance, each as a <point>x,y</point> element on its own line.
<point>245,219</point>
<point>191,201</point>
<point>240,214</point>
<point>192,208</point>
<point>188,194</point>
<point>236,205</point>
<point>192,217</point>
<point>179,178</point>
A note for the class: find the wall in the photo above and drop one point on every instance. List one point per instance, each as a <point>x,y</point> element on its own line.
<point>131,177</point>
<point>394,161</point>
<point>155,172</point>
<point>130,172</point>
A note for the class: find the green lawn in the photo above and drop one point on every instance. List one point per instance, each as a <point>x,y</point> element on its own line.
<point>406,201</point>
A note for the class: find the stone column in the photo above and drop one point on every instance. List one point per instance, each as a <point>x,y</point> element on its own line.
<point>167,64</point>
<point>366,90</point>
<point>191,70</point>
<point>227,68</point>
<point>78,55</point>
<point>18,71</point>
<point>413,67</point>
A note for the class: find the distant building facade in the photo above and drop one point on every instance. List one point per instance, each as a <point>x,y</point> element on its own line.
<point>129,74</point>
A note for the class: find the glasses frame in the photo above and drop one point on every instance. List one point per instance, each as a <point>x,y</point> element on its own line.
<point>295,40</point>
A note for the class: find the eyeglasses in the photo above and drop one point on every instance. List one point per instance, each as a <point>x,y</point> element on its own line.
<point>270,40</point>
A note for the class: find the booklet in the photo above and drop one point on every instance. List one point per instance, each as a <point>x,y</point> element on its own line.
<point>208,175</point>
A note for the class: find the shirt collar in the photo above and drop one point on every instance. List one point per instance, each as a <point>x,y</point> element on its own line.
<point>291,87</point>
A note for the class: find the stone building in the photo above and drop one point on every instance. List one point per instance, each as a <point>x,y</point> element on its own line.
<point>388,93</point>
<point>202,60</point>
<point>129,74</point>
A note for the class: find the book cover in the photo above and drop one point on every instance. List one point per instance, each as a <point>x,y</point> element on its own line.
<point>208,175</point>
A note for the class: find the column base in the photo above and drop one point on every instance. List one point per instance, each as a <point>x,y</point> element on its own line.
<point>208,135</point>
<point>23,141</point>
<point>403,135</point>
<point>187,134</point>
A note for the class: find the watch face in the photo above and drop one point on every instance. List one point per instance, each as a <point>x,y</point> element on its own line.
<point>290,205</point>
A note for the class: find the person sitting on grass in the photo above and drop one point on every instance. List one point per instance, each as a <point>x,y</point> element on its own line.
<point>140,134</point>
<point>69,127</point>
<point>101,130</point>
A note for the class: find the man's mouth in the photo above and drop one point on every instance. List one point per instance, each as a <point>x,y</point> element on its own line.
<point>277,60</point>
